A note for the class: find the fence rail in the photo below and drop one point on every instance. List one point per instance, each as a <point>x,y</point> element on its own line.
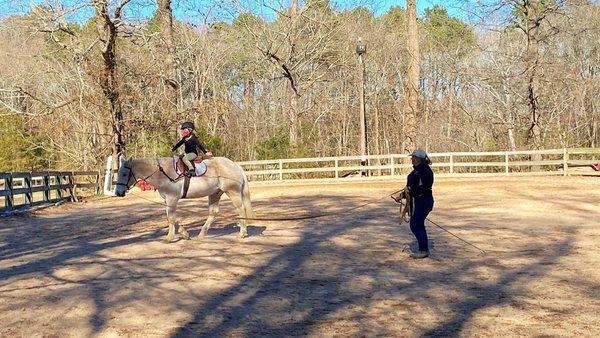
<point>459,164</point>
<point>24,190</point>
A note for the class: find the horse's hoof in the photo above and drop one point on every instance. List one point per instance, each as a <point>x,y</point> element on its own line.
<point>244,235</point>
<point>170,239</point>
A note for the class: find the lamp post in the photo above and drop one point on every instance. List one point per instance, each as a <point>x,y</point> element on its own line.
<point>361,50</point>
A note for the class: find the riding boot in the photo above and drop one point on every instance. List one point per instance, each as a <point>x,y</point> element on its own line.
<point>190,172</point>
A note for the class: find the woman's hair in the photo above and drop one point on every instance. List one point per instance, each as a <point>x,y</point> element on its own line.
<point>427,160</point>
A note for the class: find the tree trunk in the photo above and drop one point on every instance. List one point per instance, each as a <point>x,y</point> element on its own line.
<point>377,145</point>
<point>412,92</point>
<point>532,62</point>
<point>294,120</point>
<point>293,86</point>
<point>451,94</point>
<point>165,14</point>
<point>107,29</point>
<point>510,130</point>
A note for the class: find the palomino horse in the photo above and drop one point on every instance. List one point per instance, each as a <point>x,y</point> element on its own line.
<point>222,176</point>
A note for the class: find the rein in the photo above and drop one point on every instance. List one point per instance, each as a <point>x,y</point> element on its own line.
<point>162,170</point>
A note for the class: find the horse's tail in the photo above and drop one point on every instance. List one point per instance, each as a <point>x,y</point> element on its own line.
<point>246,197</point>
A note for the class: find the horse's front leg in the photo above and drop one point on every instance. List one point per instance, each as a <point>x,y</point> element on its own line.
<point>171,220</point>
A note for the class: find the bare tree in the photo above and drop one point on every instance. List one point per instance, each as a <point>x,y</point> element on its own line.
<point>414,68</point>
<point>108,30</point>
<point>74,90</point>
<point>301,44</point>
<point>165,17</point>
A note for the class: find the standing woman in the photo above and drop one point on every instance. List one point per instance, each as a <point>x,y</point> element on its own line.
<point>418,185</point>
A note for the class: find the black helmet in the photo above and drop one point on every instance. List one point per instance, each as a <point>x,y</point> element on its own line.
<point>188,124</point>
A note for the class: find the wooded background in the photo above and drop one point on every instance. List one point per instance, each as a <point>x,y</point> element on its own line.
<point>80,80</point>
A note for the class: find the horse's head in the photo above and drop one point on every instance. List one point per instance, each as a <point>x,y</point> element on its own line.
<point>125,178</point>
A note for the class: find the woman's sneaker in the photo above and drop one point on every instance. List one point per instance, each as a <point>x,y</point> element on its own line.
<point>419,254</point>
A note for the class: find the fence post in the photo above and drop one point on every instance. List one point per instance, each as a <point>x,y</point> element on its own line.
<point>392,167</point>
<point>98,174</point>
<point>59,192</point>
<point>565,162</point>
<point>29,193</point>
<point>46,187</point>
<point>281,170</point>
<point>71,188</point>
<point>108,177</point>
<point>451,164</point>
<point>506,162</point>
<point>337,168</point>
<point>8,199</point>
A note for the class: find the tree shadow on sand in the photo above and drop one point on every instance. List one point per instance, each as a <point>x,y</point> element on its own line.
<point>338,270</point>
<point>316,283</point>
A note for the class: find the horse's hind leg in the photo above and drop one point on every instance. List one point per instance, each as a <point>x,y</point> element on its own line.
<point>213,210</point>
<point>236,199</point>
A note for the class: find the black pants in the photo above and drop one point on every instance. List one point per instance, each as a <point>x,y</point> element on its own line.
<point>422,207</point>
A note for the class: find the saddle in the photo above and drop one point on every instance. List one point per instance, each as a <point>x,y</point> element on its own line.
<point>180,167</point>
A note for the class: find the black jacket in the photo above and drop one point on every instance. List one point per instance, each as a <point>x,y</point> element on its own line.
<point>192,144</point>
<point>420,180</point>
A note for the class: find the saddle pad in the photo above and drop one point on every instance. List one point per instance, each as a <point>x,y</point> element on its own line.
<point>200,167</point>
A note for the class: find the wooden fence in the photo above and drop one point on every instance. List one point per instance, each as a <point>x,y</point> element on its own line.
<point>458,164</point>
<point>26,190</point>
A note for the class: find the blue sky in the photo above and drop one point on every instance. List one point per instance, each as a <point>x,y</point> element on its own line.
<point>206,11</point>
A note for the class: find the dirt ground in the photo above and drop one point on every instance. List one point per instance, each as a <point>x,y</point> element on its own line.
<point>102,268</point>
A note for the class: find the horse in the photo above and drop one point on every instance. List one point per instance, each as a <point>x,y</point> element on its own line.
<point>222,176</point>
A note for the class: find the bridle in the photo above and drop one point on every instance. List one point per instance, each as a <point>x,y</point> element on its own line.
<point>131,174</point>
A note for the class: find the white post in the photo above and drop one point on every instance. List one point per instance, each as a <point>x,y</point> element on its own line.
<point>281,170</point>
<point>565,162</point>
<point>337,173</point>
<point>108,177</point>
<point>392,168</point>
<point>506,162</point>
<point>451,164</point>
<point>363,162</point>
